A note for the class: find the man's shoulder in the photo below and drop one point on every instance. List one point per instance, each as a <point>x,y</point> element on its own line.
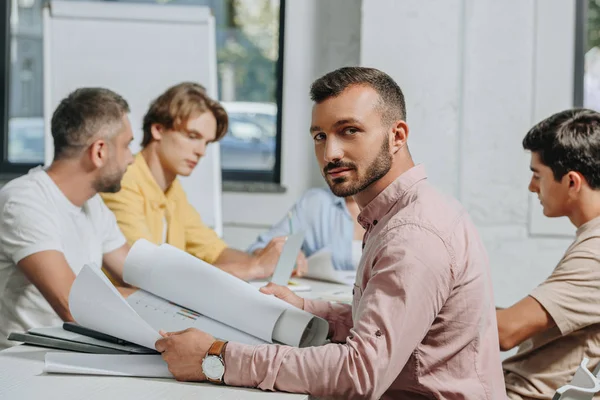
<point>430,210</point>
<point>26,189</point>
<point>589,239</point>
<point>584,247</point>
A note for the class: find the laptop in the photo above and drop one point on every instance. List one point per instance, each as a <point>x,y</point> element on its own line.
<point>286,263</point>
<point>287,259</point>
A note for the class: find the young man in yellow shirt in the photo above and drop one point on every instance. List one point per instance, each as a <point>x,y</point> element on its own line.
<point>152,203</point>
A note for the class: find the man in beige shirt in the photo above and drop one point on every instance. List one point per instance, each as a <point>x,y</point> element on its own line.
<point>559,322</point>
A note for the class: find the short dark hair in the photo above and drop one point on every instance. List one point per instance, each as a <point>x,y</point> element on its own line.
<point>568,141</point>
<point>335,82</point>
<point>173,108</point>
<point>82,115</point>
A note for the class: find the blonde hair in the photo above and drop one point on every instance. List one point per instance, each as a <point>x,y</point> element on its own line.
<point>173,108</point>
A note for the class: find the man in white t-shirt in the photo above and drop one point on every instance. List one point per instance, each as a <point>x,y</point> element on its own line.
<point>52,222</point>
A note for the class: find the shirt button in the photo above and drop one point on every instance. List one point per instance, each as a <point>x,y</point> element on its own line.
<point>378,333</point>
<point>375,222</point>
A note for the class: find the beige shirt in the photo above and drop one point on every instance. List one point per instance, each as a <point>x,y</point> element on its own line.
<point>571,295</point>
<point>422,324</point>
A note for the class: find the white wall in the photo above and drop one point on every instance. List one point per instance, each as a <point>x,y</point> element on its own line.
<point>477,74</point>
<point>319,36</point>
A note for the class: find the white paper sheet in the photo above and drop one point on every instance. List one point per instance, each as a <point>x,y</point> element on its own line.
<point>320,266</point>
<point>161,314</point>
<point>148,366</point>
<point>186,280</point>
<point>300,328</point>
<point>96,304</point>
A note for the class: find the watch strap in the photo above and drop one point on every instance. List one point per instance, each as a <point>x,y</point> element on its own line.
<point>217,348</point>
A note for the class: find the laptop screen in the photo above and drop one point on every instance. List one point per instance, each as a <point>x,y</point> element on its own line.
<point>287,259</point>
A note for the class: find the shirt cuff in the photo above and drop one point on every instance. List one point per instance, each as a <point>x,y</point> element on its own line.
<point>211,256</point>
<point>238,364</point>
<point>319,308</point>
<point>112,245</point>
<point>36,248</point>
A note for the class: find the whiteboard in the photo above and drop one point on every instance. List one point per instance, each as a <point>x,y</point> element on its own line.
<point>137,50</point>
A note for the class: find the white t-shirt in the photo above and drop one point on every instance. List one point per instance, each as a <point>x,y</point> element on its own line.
<point>36,216</point>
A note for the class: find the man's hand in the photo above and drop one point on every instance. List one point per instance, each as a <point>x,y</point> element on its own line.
<point>284,293</point>
<point>183,352</point>
<point>301,265</point>
<point>265,260</point>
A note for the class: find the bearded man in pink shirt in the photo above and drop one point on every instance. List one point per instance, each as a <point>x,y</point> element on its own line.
<point>422,323</point>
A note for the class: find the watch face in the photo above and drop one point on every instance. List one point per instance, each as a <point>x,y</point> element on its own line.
<point>213,367</point>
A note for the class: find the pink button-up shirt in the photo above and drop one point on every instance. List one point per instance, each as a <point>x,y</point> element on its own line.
<point>422,324</point>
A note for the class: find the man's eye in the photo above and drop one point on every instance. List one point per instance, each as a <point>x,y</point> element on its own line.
<point>319,136</point>
<point>350,131</point>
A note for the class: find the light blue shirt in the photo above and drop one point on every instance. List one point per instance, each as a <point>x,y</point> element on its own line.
<point>326,223</point>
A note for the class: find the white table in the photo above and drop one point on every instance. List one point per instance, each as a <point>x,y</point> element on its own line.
<point>22,377</point>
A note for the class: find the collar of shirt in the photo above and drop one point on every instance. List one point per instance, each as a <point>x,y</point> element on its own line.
<point>60,196</point>
<point>145,179</point>
<point>588,226</point>
<point>395,192</point>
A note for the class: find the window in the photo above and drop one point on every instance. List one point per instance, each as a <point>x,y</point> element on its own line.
<point>22,143</point>
<point>587,50</point>
<point>249,36</point>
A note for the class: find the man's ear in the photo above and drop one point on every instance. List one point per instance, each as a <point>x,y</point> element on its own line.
<point>99,153</point>
<point>157,131</point>
<point>399,136</point>
<point>575,181</point>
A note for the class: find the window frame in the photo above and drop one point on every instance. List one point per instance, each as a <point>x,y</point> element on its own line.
<point>274,175</point>
<point>10,169</point>
<point>581,26</point>
<point>7,169</point>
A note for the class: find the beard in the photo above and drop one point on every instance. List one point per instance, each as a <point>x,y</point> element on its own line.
<point>342,187</point>
<point>110,182</point>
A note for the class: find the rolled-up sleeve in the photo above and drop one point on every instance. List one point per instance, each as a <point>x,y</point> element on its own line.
<point>410,280</point>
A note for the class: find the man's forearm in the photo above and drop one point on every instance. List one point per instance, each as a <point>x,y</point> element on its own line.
<point>507,328</point>
<point>236,263</point>
<point>61,307</point>
<point>233,256</point>
<point>521,321</point>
